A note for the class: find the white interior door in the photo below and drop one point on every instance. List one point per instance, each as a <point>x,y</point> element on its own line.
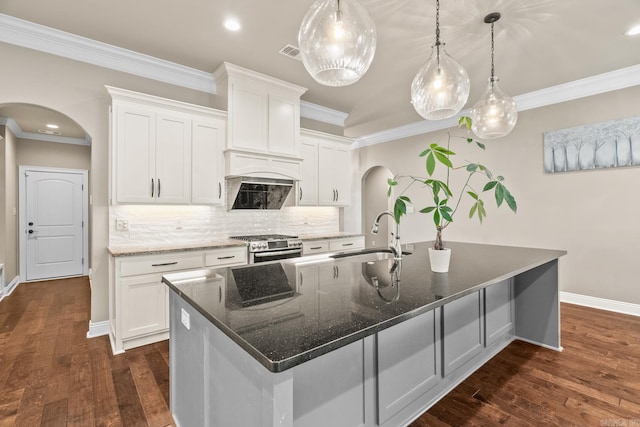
<point>54,221</point>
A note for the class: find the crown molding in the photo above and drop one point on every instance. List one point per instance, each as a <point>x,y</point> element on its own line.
<point>589,86</point>
<point>49,40</point>
<point>45,39</point>
<point>15,128</point>
<point>322,114</point>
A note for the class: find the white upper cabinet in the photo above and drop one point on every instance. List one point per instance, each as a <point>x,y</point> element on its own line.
<point>308,184</point>
<point>263,123</point>
<point>326,170</point>
<point>207,161</point>
<point>164,151</point>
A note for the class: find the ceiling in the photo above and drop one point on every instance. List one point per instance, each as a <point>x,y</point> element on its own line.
<point>539,43</point>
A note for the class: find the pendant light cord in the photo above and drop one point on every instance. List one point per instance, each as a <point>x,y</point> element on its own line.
<point>438,32</point>
<point>493,70</point>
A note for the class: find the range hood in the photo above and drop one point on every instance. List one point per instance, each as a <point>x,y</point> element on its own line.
<point>258,193</point>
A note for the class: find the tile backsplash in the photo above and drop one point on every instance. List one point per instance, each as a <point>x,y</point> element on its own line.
<point>186,224</point>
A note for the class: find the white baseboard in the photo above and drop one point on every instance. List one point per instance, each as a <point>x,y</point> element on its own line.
<point>10,288</point>
<point>98,329</point>
<point>601,303</point>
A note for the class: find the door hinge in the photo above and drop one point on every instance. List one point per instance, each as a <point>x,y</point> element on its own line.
<point>82,187</point>
<point>82,224</point>
<point>83,261</point>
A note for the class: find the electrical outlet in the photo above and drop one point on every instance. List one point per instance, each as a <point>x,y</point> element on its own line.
<point>185,318</point>
<point>122,224</point>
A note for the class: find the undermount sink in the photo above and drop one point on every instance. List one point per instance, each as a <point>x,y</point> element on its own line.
<point>366,255</point>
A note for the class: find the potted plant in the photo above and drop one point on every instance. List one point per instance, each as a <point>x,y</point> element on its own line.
<point>445,202</point>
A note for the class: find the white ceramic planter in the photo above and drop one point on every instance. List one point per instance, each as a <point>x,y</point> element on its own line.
<point>440,260</point>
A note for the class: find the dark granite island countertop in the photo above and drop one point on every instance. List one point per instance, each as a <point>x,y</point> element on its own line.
<point>286,313</point>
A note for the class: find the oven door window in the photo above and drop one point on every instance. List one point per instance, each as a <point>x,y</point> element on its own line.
<point>276,255</point>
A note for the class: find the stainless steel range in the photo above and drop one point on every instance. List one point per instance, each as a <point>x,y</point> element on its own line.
<point>271,247</point>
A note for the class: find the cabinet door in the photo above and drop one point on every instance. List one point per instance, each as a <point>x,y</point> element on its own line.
<point>334,174</point>
<point>408,363</point>
<point>173,159</point>
<point>462,331</point>
<point>308,184</point>
<point>144,305</point>
<point>326,176</point>
<point>342,174</point>
<point>207,164</point>
<point>135,160</point>
<point>284,125</point>
<point>498,305</point>
<point>248,106</point>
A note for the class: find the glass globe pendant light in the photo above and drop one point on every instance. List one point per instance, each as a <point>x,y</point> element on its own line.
<point>337,41</point>
<point>495,114</point>
<point>441,87</point>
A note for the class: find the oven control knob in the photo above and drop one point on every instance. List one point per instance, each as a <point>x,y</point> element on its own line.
<point>263,245</point>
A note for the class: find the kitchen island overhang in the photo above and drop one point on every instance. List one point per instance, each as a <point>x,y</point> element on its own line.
<point>344,314</point>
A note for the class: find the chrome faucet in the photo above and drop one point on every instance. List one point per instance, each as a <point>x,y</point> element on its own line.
<point>394,245</point>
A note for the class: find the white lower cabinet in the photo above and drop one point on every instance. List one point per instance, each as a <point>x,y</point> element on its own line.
<point>462,331</point>
<point>139,301</point>
<point>342,244</point>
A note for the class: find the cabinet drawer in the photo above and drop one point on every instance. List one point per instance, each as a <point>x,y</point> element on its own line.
<point>346,244</point>
<point>227,256</point>
<point>315,247</point>
<point>160,264</point>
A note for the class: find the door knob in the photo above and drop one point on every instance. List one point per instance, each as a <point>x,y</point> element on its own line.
<point>30,231</point>
<point>31,223</point>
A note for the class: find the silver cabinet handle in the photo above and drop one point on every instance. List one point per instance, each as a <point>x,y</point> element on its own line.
<point>266,254</point>
<point>158,187</point>
<point>337,194</point>
<point>164,264</point>
<point>334,194</point>
<point>300,191</point>
<point>152,187</point>
<point>316,247</point>
<point>219,190</point>
<point>220,294</point>
<point>347,244</point>
<point>227,257</point>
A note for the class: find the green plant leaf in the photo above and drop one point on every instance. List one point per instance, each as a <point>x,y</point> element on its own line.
<point>443,159</point>
<point>465,121</point>
<point>481,145</point>
<point>474,207</point>
<point>469,140</point>
<point>436,217</point>
<point>499,194</point>
<point>431,163</point>
<point>446,189</point>
<point>481,212</point>
<point>445,212</point>
<point>392,182</point>
<point>399,209</point>
<point>427,209</point>
<point>405,198</point>
<point>511,201</point>
<point>443,150</point>
<point>435,187</point>
<point>472,167</point>
<point>425,152</point>
<point>473,195</point>
<point>389,191</point>
<point>500,178</point>
<point>489,185</point>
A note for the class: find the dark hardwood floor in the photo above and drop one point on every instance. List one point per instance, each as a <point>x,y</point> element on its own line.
<point>52,375</point>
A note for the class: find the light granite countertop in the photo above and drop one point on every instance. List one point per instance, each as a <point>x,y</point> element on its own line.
<point>323,236</point>
<point>160,248</point>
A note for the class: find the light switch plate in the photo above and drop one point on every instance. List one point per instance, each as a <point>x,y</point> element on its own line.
<point>185,318</point>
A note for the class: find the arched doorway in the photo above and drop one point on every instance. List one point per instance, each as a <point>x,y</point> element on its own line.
<point>374,201</point>
<point>45,139</point>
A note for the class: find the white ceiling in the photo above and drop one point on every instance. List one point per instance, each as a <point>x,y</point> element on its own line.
<point>539,43</point>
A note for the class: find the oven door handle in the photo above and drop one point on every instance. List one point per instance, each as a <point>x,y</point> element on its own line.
<point>273,253</point>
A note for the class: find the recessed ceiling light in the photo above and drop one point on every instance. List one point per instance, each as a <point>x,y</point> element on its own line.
<point>52,126</point>
<point>232,24</point>
<point>633,31</point>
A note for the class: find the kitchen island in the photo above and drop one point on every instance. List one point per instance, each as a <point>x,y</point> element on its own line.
<point>350,340</point>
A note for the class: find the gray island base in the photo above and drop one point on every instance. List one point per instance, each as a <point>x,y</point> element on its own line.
<point>353,341</point>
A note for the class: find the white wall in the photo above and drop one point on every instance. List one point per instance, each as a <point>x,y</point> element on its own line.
<point>592,214</point>
<point>9,205</point>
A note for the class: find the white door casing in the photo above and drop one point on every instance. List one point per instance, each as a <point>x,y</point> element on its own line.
<point>53,224</point>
